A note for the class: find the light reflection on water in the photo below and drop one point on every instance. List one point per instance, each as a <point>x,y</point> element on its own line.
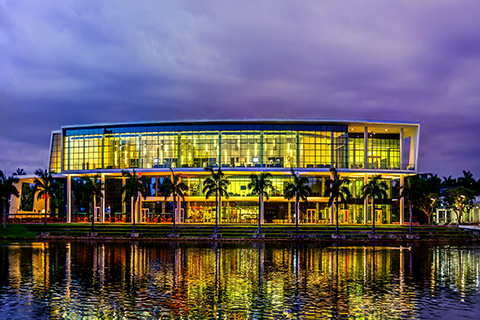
<point>58,280</point>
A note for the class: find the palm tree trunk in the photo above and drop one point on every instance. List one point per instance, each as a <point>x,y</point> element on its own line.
<point>134,202</point>
<point>4,215</point>
<point>411,217</point>
<point>373,215</point>
<point>93,214</point>
<point>173,216</point>
<point>336,216</point>
<point>45,221</point>
<point>260,212</point>
<point>297,218</point>
<point>216,212</point>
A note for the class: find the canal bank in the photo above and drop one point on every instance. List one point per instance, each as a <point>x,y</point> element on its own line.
<point>271,233</point>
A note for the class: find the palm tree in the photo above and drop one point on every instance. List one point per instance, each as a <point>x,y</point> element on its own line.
<point>449,182</point>
<point>467,181</point>
<point>19,172</point>
<point>134,185</point>
<point>412,192</point>
<point>298,189</point>
<point>46,186</point>
<point>7,190</point>
<point>337,190</point>
<point>175,188</point>
<point>216,185</point>
<point>91,189</point>
<point>260,185</point>
<point>375,189</point>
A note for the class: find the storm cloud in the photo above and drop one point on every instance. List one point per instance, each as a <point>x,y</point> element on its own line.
<point>76,62</point>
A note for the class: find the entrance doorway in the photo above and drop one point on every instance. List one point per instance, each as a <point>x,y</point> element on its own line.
<point>310,216</point>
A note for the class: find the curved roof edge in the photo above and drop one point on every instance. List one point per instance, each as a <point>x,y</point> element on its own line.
<point>244,120</point>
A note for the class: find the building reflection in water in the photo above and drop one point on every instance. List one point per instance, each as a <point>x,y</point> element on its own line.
<point>237,281</point>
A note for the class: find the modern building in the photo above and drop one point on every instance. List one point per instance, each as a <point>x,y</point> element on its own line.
<point>358,149</point>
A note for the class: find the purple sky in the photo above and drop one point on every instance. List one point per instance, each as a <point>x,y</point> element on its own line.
<point>75,62</point>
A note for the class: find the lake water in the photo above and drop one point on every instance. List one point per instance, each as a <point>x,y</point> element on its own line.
<point>93,280</point>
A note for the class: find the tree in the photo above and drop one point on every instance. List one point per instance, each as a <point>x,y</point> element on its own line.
<point>7,190</point>
<point>134,185</point>
<point>90,189</point>
<point>259,186</point>
<point>337,191</point>
<point>46,186</point>
<point>468,182</point>
<point>374,189</point>
<point>430,195</point>
<point>298,189</point>
<point>459,200</point>
<point>449,182</point>
<point>175,188</point>
<point>19,172</point>
<point>412,193</point>
<point>216,185</point>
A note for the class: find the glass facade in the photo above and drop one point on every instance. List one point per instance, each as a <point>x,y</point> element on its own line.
<point>56,153</point>
<point>321,146</point>
<point>383,151</point>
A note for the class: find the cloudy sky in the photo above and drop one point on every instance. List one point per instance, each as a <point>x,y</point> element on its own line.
<point>75,62</point>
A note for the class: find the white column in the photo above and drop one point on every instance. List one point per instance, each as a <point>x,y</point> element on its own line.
<point>139,209</point>
<point>260,214</point>
<point>401,149</point>
<point>69,198</point>
<point>15,201</point>
<point>299,215</point>
<point>132,209</point>
<point>102,200</point>
<point>124,203</point>
<point>365,148</point>
<point>219,213</point>
<point>178,219</point>
<point>402,201</point>
<point>365,202</point>
<point>414,148</point>
<point>331,207</point>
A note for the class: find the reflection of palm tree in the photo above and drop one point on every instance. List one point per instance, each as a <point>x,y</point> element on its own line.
<point>46,186</point>
<point>91,189</point>
<point>337,191</point>
<point>260,185</point>
<point>375,188</point>
<point>7,190</point>
<point>134,185</point>
<point>298,189</point>
<point>175,188</point>
<point>216,185</point>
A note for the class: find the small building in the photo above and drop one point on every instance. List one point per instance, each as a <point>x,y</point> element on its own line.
<point>445,216</point>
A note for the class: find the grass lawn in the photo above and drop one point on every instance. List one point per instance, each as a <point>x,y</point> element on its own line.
<point>16,230</point>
